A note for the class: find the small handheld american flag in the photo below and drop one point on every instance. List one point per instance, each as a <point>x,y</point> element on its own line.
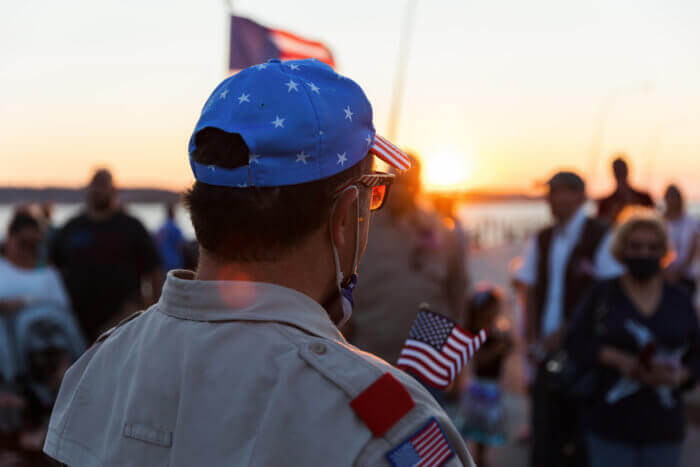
<point>437,348</point>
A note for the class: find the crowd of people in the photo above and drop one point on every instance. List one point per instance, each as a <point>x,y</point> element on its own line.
<point>625,268</point>
<point>605,299</point>
<point>60,288</point>
<point>606,302</point>
<point>611,326</point>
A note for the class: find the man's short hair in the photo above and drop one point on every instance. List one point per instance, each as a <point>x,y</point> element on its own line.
<point>568,180</point>
<point>619,166</point>
<point>20,221</point>
<point>256,223</point>
<point>102,176</point>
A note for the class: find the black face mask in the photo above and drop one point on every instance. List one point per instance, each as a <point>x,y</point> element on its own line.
<point>642,268</point>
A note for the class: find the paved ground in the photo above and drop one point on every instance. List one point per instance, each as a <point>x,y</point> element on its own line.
<point>514,454</point>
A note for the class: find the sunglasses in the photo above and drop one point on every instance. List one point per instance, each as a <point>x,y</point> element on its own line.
<point>378,182</point>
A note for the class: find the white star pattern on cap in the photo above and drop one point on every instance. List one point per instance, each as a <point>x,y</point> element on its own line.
<point>243,98</point>
<point>253,159</point>
<point>212,168</point>
<point>348,113</point>
<point>342,159</point>
<point>278,122</point>
<point>293,66</point>
<point>262,66</point>
<point>314,88</point>
<point>208,105</point>
<point>369,139</point>
<point>301,157</point>
<point>223,94</point>
<point>291,85</point>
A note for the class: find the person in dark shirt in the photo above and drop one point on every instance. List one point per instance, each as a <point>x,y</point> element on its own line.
<point>638,336</point>
<point>610,207</point>
<point>104,255</point>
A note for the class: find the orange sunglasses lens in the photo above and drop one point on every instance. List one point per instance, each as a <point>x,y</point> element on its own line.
<point>378,196</point>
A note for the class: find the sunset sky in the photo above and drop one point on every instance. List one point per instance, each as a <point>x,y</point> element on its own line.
<point>498,94</point>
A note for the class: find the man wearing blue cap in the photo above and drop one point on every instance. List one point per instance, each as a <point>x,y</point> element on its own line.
<point>242,362</point>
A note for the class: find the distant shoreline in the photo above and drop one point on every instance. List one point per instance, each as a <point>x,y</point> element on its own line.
<point>14,195</point>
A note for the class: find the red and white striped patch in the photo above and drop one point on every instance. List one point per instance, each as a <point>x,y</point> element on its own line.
<point>390,153</point>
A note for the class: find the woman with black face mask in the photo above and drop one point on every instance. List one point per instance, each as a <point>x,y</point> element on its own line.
<point>635,342</point>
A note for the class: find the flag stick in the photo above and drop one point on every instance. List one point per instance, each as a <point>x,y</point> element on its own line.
<point>399,78</point>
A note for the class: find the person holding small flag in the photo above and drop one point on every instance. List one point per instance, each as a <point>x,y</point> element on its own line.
<point>242,362</point>
<point>482,414</point>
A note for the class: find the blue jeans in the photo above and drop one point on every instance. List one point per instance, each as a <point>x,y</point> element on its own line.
<point>606,453</point>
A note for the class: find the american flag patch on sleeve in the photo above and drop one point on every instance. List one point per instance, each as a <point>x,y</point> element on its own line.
<point>426,447</point>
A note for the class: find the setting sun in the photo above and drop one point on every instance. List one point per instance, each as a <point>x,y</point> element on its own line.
<point>446,170</point>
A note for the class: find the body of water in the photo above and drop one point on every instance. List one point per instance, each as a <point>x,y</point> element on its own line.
<point>494,223</point>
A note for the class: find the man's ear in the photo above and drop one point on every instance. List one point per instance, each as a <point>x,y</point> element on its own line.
<point>344,215</point>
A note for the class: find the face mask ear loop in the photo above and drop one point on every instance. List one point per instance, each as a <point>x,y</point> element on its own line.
<point>346,304</point>
<point>355,258</point>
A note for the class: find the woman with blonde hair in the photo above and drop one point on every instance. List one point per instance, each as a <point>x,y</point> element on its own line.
<point>636,340</point>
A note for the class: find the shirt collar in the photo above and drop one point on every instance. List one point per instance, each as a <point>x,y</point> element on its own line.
<point>572,228</point>
<point>186,298</point>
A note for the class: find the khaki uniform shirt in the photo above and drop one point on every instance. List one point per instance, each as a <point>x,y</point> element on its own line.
<point>231,373</point>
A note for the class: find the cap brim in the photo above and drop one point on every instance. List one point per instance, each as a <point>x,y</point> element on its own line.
<point>389,153</point>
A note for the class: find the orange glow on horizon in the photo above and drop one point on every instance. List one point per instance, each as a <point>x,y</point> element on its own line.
<point>446,170</point>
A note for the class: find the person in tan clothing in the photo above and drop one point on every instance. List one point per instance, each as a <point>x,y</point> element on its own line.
<point>242,362</point>
<point>415,250</point>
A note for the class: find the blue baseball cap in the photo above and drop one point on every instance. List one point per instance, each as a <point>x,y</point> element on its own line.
<point>301,121</point>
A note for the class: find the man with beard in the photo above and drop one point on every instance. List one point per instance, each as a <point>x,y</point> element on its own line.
<point>104,254</point>
<point>561,263</point>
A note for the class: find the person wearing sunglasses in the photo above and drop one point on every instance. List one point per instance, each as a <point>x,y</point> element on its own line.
<point>416,249</point>
<point>636,338</point>
<point>243,361</point>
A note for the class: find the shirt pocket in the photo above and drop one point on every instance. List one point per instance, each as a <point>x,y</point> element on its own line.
<point>148,434</point>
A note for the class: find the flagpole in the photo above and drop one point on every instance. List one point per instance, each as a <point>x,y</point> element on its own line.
<point>399,78</point>
<point>227,49</point>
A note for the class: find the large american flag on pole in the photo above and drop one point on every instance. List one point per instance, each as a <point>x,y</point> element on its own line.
<point>437,348</point>
<point>252,43</point>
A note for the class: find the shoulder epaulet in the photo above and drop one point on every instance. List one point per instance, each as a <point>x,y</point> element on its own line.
<point>378,398</point>
<point>109,332</point>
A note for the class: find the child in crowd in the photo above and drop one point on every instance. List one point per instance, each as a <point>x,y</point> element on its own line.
<point>482,406</point>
